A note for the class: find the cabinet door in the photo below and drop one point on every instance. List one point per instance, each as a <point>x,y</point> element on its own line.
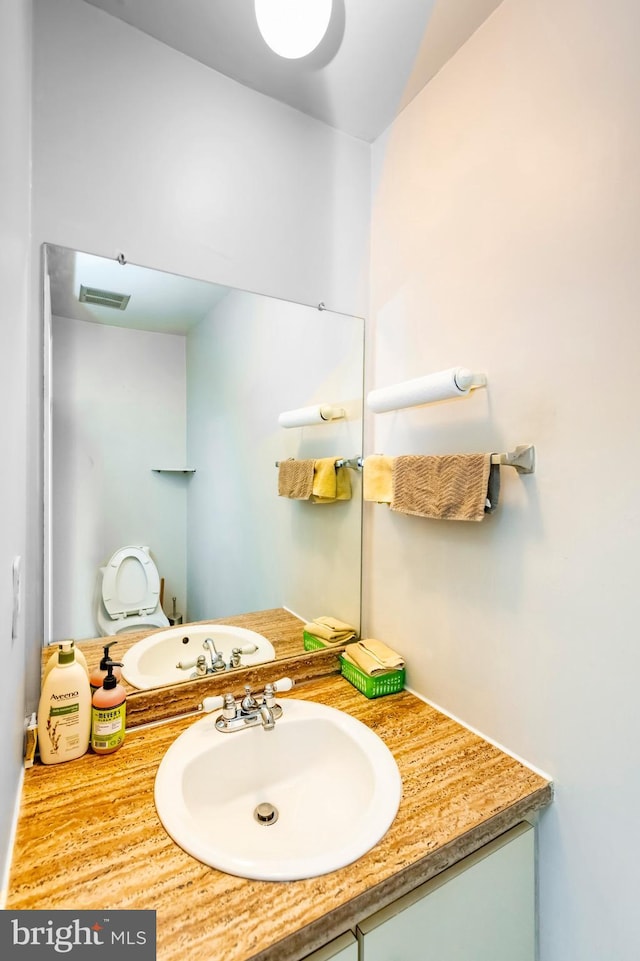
<point>344,948</point>
<point>482,909</point>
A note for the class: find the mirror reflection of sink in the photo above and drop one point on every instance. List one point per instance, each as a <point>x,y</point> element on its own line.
<point>308,797</point>
<point>153,661</point>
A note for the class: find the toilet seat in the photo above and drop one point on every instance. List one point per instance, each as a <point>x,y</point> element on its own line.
<point>130,583</point>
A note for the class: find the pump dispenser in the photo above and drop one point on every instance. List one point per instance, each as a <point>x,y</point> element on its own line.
<point>108,713</point>
<point>67,646</point>
<point>98,674</point>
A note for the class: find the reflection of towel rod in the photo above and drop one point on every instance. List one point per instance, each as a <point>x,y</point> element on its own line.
<point>355,463</point>
<point>523,458</point>
<point>307,416</point>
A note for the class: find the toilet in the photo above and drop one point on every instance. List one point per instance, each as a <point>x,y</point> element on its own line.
<point>129,599</point>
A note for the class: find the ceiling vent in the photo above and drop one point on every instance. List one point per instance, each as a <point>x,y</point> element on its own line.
<point>103,298</point>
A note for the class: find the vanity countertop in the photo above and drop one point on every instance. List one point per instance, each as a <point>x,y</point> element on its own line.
<point>88,836</point>
<point>277,624</point>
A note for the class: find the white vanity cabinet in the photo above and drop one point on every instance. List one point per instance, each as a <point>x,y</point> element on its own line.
<point>481,909</point>
<point>344,948</point>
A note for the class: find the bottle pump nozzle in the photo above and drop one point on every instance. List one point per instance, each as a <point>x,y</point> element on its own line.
<point>105,657</point>
<point>110,680</point>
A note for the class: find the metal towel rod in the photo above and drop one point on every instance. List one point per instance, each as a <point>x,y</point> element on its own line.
<point>355,463</point>
<point>523,459</point>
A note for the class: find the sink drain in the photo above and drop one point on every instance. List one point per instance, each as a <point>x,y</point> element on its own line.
<point>266,813</point>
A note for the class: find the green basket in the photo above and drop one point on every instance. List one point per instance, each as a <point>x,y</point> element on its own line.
<point>381,684</point>
<point>311,643</point>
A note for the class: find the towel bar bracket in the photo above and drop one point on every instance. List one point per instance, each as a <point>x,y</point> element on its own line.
<point>523,458</point>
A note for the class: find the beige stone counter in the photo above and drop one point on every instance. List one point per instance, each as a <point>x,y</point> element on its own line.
<point>89,837</point>
<point>278,625</point>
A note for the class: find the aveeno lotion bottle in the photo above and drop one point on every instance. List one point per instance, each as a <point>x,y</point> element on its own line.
<point>64,711</point>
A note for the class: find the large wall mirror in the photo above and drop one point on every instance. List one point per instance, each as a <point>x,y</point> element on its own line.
<point>161,431</point>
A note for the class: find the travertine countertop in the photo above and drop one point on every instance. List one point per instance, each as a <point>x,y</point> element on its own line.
<point>278,625</point>
<point>89,837</point>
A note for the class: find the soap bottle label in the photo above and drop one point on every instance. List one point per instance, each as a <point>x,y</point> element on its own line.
<point>108,727</point>
<point>62,727</point>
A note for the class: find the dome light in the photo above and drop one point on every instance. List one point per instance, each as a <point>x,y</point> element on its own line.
<point>293,28</point>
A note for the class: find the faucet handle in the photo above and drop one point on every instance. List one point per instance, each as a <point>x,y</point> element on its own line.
<point>210,704</point>
<point>277,687</point>
<point>187,663</point>
<point>229,706</point>
<point>248,702</point>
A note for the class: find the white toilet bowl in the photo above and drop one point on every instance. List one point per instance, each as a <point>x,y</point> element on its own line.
<point>129,599</point>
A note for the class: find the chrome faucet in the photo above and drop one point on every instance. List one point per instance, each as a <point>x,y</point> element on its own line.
<point>267,717</point>
<point>266,709</point>
<point>217,660</point>
<point>237,715</point>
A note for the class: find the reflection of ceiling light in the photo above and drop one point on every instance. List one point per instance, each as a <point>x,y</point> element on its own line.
<point>293,28</point>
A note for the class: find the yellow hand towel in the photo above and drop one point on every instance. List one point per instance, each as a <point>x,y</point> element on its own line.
<point>330,629</point>
<point>333,624</point>
<point>295,479</point>
<point>361,655</point>
<point>382,653</point>
<point>376,478</point>
<point>447,487</point>
<point>330,483</point>
<point>343,484</point>
<point>324,477</point>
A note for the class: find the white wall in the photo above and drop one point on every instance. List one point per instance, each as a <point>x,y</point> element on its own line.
<point>506,206</point>
<point>119,410</point>
<point>138,148</point>
<point>15,383</point>
<point>249,549</point>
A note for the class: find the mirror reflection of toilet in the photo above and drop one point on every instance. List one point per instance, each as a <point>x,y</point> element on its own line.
<point>130,593</point>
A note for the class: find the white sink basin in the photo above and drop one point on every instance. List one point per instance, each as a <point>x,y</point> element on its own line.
<point>152,662</point>
<point>333,782</point>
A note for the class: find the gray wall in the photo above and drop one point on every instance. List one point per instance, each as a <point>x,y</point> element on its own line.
<point>18,384</point>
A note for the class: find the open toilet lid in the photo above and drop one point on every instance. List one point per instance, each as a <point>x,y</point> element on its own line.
<point>130,583</point>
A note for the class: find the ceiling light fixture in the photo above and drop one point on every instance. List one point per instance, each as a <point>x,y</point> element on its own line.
<point>293,28</point>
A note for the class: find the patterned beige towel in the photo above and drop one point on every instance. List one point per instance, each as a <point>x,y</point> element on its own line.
<point>446,487</point>
<point>295,479</point>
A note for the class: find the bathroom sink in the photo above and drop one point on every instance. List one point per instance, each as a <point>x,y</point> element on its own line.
<point>310,796</point>
<point>154,660</point>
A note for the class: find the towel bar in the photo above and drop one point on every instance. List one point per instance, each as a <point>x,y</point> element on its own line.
<point>355,463</point>
<point>523,458</point>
